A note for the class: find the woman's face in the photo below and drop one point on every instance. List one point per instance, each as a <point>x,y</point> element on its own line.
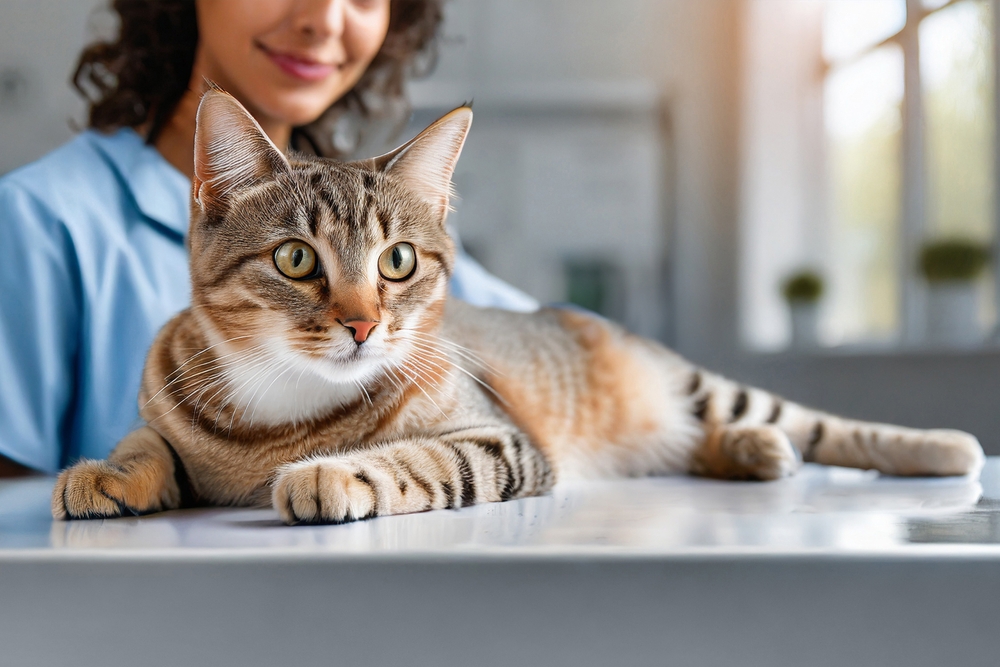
<point>287,61</point>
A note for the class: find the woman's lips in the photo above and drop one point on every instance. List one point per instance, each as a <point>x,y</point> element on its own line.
<point>298,67</point>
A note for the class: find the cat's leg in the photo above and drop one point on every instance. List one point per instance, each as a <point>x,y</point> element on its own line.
<point>138,478</point>
<point>729,412</point>
<point>444,471</point>
<point>894,450</point>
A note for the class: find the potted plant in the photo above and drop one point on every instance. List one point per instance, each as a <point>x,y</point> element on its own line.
<point>951,268</point>
<point>802,291</point>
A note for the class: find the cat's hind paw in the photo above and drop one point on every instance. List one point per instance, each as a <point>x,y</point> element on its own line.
<point>324,491</point>
<point>760,452</point>
<point>942,452</point>
<point>746,452</point>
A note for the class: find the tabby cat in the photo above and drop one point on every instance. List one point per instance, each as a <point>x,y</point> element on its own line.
<point>322,368</point>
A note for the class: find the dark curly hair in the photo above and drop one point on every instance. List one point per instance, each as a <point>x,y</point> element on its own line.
<point>137,78</point>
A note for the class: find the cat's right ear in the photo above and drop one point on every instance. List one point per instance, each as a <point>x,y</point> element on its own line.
<point>231,151</point>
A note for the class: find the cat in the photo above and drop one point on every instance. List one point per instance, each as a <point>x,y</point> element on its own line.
<point>322,369</point>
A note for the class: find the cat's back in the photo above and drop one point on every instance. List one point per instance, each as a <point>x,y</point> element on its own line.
<point>507,339</point>
<point>571,379</point>
<point>520,337</point>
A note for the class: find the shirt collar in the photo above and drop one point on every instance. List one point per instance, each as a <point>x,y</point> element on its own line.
<point>160,191</point>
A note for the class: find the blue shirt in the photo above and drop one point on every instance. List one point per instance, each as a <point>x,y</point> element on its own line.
<point>92,263</point>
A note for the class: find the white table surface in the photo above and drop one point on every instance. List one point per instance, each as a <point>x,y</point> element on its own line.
<point>842,566</point>
<point>833,512</point>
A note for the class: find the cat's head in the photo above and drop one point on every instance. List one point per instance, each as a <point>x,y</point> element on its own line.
<point>339,265</point>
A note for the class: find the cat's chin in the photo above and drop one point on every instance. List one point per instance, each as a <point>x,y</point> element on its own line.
<point>361,369</point>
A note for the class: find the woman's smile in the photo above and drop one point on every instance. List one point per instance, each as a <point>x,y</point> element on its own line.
<point>299,66</point>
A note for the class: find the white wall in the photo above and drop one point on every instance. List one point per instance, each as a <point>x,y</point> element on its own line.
<point>39,43</point>
<point>686,55</point>
<point>783,181</point>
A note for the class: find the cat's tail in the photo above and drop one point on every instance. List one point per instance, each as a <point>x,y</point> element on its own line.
<point>747,427</point>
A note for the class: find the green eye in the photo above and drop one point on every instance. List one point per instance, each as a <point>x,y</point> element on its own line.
<point>295,259</point>
<point>398,262</point>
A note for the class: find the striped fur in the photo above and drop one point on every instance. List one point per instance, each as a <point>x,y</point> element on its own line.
<point>260,394</point>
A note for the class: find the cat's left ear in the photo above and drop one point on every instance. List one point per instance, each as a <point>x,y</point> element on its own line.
<point>426,163</point>
<point>231,151</point>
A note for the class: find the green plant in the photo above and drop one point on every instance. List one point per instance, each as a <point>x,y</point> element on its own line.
<point>804,286</point>
<point>953,260</point>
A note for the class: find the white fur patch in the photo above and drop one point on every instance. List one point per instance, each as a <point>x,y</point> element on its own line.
<point>282,389</point>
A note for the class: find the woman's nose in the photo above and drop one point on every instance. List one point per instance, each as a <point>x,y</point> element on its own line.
<point>320,18</point>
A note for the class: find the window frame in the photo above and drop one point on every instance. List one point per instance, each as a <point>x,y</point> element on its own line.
<point>913,213</point>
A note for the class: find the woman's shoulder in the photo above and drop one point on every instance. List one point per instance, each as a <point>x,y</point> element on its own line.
<point>79,169</point>
<point>97,182</point>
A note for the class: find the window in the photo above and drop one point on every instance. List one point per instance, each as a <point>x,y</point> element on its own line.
<point>898,152</point>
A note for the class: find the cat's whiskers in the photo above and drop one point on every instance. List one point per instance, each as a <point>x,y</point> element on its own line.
<point>460,350</point>
<point>437,337</point>
<point>417,384</point>
<point>390,374</point>
<point>266,366</point>
<point>216,368</point>
<point>212,366</point>
<point>365,392</point>
<point>241,358</point>
<point>471,356</point>
<point>425,357</point>
<point>220,362</point>
<point>224,381</point>
<point>288,367</point>
<point>179,373</point>
<point>220,381</point>
<point>462,369</point>
<point>262,385</point>
<point>202,351</point>
<point>432,351</point>
<point>422,361</point>
<point>431,348</point>
<point>429,375</point>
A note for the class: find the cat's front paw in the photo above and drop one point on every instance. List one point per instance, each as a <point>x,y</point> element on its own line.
<point>100,490</point>
<point>324,491</point>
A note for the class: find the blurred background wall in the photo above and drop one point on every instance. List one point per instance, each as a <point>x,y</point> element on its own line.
<point>671,163</point>
<point>39,43</point>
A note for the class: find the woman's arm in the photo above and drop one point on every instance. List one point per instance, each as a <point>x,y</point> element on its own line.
<point>473,284</point>
<point>39,320</point>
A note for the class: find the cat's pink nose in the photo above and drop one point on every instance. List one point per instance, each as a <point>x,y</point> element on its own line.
<point>360,328</point>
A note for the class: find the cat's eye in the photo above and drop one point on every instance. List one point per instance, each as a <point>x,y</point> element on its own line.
<point>295,259</point>
<point>398,262</point>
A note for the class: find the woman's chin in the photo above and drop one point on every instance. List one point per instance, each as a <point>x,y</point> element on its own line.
<point>299,107</point>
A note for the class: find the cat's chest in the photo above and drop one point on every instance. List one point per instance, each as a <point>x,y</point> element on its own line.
<point>282,394</point>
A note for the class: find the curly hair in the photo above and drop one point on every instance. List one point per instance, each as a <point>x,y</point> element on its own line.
<point>137,78</point>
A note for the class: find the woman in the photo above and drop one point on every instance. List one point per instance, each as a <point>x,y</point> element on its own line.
<point>92,256</point>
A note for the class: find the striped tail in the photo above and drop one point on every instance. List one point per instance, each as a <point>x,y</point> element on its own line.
<point>751,433</point>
